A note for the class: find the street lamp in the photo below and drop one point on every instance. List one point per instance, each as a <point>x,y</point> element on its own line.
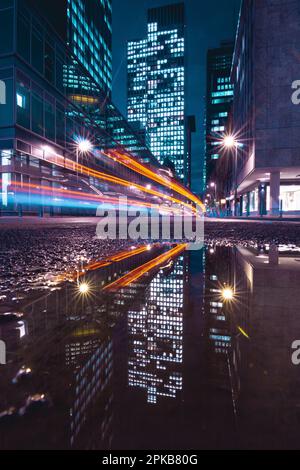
<point>214,186</point>
<point>84,288</point>
<point>227,294</point>
<point>82,146</point>
<point>230,143</point>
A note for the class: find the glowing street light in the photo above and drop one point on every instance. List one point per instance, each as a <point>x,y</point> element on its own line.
<point>214,187</point>
<point>229,142</point>
<point>83,288</point>
<point>227,294</point>
<point>84,145</point>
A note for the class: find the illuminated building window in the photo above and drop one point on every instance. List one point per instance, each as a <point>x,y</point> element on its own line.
<point>21,101</point>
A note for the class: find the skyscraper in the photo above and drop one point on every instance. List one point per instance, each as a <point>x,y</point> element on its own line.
<point>86,26</point>
<point>156,85</point>
<point>219,97</point>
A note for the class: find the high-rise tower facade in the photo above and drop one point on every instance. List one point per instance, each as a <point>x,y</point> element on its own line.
<point>156,85</point>
<point>86,25</point>
<point>219,97</point>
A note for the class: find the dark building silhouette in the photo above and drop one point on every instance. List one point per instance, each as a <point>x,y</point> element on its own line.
<point>266,112</point>
<point>219,97</point>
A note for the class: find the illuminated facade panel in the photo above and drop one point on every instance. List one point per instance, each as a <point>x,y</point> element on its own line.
<point>90,37</point>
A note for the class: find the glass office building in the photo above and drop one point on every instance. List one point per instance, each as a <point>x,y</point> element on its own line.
<point>156,85</point>
<point>47,100</point>
<point>86,26</point>
<point>219,98</point>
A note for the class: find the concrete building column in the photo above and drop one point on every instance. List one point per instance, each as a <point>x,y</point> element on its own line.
<point>275,193</point>
<point>262,200</point>
<point>248,204</point>
<point>240,206</point>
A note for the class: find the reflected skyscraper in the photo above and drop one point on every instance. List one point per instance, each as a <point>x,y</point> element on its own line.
<point>268,311</point>
<point>91,360</point>
<point>156,336</point>
<point>217,318</point>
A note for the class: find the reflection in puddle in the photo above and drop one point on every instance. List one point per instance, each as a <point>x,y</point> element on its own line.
<point>156,336</point>
<point>166,361</point>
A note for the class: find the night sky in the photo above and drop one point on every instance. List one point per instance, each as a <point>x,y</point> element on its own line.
<point>208,23</point>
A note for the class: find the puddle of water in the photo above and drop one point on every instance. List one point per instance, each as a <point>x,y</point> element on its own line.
<point>195,354</point>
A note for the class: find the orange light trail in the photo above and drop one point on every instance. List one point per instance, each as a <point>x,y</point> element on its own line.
<point>134,165</point>
<point>145,268</point>
<point>74,166</point>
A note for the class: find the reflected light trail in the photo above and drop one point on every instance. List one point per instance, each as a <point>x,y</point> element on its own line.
<point>137,273</point>
<point>122,255</point>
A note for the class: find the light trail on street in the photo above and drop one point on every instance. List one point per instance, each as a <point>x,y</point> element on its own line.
<point>71,165</point>
<point>81,196</point>
<point>138,167</point>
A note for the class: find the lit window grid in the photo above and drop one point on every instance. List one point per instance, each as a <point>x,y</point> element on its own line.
<point>86,390</point>
<point>147,326</point>
<point>159,107</point>
<point>87,37</point>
